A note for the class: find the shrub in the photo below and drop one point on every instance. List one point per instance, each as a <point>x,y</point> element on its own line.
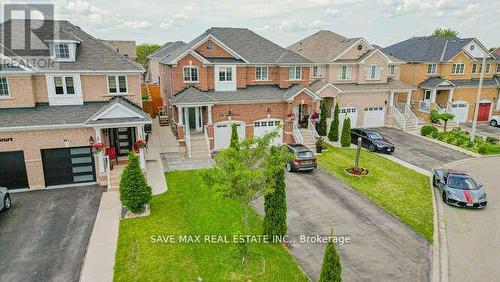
<point>135,192</point>
<point>482,149</point>
<point>322,119</point>
<point>331,271</point>
<point>333,135</point>
<point>235,141</point>
<point>434,116</point>
<point>428,130</point>
<point>492,140</point>
<point>345,138</point>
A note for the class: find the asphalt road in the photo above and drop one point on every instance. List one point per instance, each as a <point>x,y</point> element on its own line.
<point>473,236</point>
<point>418,151</point>
<point>382,248</point>
<point>44,236</point>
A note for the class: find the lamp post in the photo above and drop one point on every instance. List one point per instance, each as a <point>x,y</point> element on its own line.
<point>478,97</point>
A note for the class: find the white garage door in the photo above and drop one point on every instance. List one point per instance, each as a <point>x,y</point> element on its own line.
<point>460,109</point>
<point>222,134</point>
<point>350,112</point>
<point>373,117</point>
<point>261,127</point>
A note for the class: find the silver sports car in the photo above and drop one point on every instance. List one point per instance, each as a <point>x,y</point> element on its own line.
<point>459,189</point>
<point>5,202</point>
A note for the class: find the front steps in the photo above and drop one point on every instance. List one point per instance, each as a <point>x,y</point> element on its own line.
<point>179,161</point>
<point>309,140</point>
<point>199,147</point>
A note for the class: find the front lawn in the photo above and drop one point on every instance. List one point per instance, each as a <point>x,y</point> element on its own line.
<point>399,190</point>
<point>191,208</point>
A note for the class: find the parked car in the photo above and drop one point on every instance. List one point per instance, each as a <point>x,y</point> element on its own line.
<point>5,201</point>
<point>495,121</point>
<point>459,189</point>
<point>372,140</point>
<point>304,158</point>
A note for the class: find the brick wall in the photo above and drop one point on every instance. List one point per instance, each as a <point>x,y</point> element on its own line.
<point>216,52</point>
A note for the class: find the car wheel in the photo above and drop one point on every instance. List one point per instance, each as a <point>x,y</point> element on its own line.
<point>288,167</point>
<point>372,148</point>
<point>6,203</point>
<point>445,199</point>
<point>493,123</point>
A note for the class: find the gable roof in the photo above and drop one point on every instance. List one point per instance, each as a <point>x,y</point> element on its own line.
<point>428,48</point>
<point>91,54</point>
<point>244,43</point>
<point>165,50</point>
<point>496,53</point>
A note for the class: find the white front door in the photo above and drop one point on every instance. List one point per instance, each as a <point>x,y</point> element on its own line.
<point>222,133</point>
<point>374,117</point>
<point>461,110</point>
<point>262,127</point>
<point>350,112</point>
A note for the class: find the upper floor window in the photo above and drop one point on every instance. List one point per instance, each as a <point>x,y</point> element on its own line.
<point>61,50</point>
<point>190,73</point>
<point>477,68</point>
<point>117,84</point>
<point>373,72</point>
<point>64,85</point>
<point>295,73</point>
<point>4,87</point>
<point>261,73</point>
<point>317,71</point>
<point>392,70</point>
<point>498,69</point>
<point>344,72</point>
<point>225,74</point>
<point>432,69</point>
<point>488,68</point>
<point>458,68</point>
<point>360,47</point>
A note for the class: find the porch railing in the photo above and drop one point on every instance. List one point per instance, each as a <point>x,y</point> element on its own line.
<point>107,165</point>
<point>312,129</point>
<point>398,117</point>
<point>296,134</point>
<point>207,141</point>
<point>411,117</point>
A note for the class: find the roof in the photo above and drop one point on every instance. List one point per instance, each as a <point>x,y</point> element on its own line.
<point>436,82</point>
<point>124,47</point>
<point>251,47</point>
<point>250,94</point>
<point>166,49</point>
<point>491,82</point>
<point>392,84</point>
<point>323,46</point>
<point>92,54</point>
<point>77,115</point>
<point>427,48</point>
<point>496,53</point>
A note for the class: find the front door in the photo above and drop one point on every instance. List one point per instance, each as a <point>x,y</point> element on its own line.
<point>122,139</point>
<point>484,112</point>
<point>192,118</point>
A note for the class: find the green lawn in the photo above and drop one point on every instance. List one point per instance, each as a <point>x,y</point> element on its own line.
<point>399,190</point>
<point>190,208</point>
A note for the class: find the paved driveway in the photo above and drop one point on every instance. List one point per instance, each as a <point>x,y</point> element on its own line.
<point>418,151</point>
<point>473,236</point>
<point>382,248</point>
<point>44,236</point>
<point>483,129</point>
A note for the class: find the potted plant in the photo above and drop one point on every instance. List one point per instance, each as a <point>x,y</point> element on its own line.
<point>139,144</point>
<point>291,117</point>
<point>320,145</point>
<point>98,147</point>
<point>315,116</point>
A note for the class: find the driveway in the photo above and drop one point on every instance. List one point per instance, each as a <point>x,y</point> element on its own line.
<point>483,129</point>
<point>44,236</point>
<point>418,151</point>
<point>382,248</point>
<point>473,236</point>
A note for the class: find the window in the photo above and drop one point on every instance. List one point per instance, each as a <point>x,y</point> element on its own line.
<point>427,95</point>
<point>317,71</point>
<point>474,68</point>
<point>210,46</point>
<point>4,87</point>
<point>344,73</point>
<point>225,74</point>
<point>432,69</point>
<point>117,84</point>
<point>61,50</point>
<point>295,73</point>
<point>458,68</point>
<point>261,73</point>
<point>64,85</point>
<point>488,68</point>
<point>360,47</point>
<point>472,47</point>
<point>190,74</point>
<point>373,72</point>
<point>498,68</point>
<point>477,68</point>
<point>392,70</point>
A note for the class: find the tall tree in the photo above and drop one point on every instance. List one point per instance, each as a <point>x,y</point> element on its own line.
<point>143,51</point>
<point>234,142</point>
<point>333,135</point>
<point>135,192</point>
<point>331,271</point>
<point>445,32</point>
<point>322,119</point>
<point>345,138</point>
<point>274,224</point>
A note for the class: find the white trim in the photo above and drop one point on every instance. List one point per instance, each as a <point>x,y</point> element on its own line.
<point>459,73</point>
<point>74,125</point>
<point>377,73</point>
<point>354,44</point>
<point>7,97</point>
<point>295,72</point>
<point>377,51</point>
<point>64,99</point>
<point>117,93</point>
<point>224,46</point>
<point>190,74</point>
<point>309,92</point>
<point>101,115</point>
<point>435,69</point>
<point>184,54</point>
<point>267,73</point>
<point>331,85</point>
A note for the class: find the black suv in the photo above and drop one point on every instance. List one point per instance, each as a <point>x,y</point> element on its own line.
<point>304,158</point>
<point>371,140</point>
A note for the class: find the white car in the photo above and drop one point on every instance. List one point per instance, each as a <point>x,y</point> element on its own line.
<point>5,201</point>
<point>495,121</point>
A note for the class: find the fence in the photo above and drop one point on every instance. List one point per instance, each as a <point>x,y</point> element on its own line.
<point>154,101</point>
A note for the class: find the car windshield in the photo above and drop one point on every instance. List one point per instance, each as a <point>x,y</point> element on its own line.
<point>462,182</point>
<point>305,154</point>
<point>375,135</point>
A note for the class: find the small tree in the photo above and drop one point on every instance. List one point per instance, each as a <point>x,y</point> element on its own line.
<point>345,138</point>
<point>135,192</point>
<point>234,137</point>
<point>274,224</point>
<point>331,271</point>
<point>446,117</point>
<point>322,119</point>
<point>143,51</point>
<point>445,32</point>
<point>333,135</point>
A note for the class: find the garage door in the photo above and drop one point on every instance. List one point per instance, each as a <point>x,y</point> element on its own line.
<point>484,112</point>
<point>461,110</point>
<point>13,170</point>
<point>350,112</point>
<point>374,117</point>
<point>222,134</point>
<point>68,166</point>
<point>261,127</point>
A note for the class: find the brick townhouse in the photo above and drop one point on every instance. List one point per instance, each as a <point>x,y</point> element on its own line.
<point>233,75</point>
<point>50,116</point>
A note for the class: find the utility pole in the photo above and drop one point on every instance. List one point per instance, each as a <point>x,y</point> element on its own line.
<point>478,97</point>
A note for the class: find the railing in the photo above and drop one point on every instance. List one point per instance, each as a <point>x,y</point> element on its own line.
<point>108,170</point>
<point>207,141</point>
<point>411,117</point>
<point>187,140</point>
<point>401,107</point>
<point>312,129</point>
<point>398,117</point>
<point>436,107</point>
<point>424,106</point>
<point>296,134</point>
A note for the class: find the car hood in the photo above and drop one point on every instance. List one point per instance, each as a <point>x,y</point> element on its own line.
<point>382,142</point>
<point>466,196</point>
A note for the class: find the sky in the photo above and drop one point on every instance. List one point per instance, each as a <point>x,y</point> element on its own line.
<point>381,22</point>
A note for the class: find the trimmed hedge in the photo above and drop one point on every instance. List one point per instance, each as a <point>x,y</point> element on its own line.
<point>428,130</point>
<point>345,138</point>
<point>135,192</point>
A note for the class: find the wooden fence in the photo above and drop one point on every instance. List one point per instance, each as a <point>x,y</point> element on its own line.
<point>154,101</point>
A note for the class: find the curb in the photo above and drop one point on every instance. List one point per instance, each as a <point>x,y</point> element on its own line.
<point>456,148</point>
<point>440,246</point>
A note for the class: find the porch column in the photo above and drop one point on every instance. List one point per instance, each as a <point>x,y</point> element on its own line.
<point>408,98</point>
<point>450,95</point>
<point>140,136</point>
<point>100,155</point>
<point>197,117</point>
<point>391,99</point>
<point>433,95</point>
<point>179,111</point>
<point>209,114</point>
